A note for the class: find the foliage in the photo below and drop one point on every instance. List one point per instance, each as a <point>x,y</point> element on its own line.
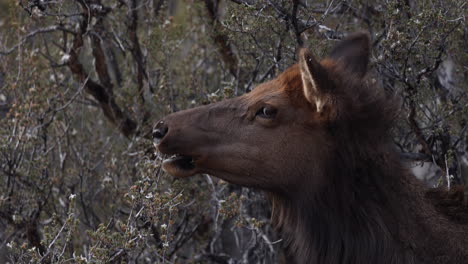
<point>82,83</point>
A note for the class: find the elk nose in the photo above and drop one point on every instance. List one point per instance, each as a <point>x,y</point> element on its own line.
<point>160,130</point>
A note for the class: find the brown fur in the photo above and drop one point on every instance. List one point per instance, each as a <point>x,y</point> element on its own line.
<point>339,191</point>
<point>450,203</point>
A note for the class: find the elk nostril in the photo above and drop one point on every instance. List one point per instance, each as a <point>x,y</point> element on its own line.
<point>157,134</point>
<point>160,130</point>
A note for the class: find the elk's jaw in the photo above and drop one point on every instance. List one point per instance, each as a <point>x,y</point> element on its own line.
<point>179,166</point>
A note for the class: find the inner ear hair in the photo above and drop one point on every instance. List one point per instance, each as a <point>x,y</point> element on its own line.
<point>314,79</point>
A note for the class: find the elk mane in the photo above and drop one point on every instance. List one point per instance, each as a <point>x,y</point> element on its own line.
<point>371,205</point>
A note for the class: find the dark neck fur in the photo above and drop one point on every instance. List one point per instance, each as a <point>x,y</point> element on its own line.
<point>370,214</point>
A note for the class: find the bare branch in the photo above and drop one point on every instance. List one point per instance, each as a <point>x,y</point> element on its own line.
<point>222,41</point>
<point>34,33</point>
<point>100,64</point>
<point>136,49</point>
<point>106,100</point>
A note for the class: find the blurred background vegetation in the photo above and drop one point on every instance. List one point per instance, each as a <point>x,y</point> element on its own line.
<point>82,82</point>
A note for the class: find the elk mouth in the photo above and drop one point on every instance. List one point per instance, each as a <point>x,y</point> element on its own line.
<point>180,166</point>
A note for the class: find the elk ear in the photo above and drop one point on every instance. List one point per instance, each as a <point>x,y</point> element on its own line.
<point>314,79</point>
<point>353,53</point>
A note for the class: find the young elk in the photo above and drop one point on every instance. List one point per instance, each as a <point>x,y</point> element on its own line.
<point>317,140</point>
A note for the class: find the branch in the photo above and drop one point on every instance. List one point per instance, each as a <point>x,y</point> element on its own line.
<point>415,156</point>
<point>222,40</point>
<point>298,25</point>
<point>293,19</point>
<point>415,127</point>
<point>106,100</point>
<point>136,49</point>
<point>34,33</point>
<point>100,63</point>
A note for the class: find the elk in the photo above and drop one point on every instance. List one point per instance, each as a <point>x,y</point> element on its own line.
<point>317,139</point>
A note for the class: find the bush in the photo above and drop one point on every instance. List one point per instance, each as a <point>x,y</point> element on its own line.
<point>83,82</point>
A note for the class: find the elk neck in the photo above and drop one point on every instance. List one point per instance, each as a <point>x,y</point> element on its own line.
<point>368,212</point>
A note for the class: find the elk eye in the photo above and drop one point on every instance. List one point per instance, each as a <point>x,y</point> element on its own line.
<point>267,112</point>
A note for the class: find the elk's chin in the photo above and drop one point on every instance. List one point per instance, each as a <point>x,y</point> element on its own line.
<point>179,166</point>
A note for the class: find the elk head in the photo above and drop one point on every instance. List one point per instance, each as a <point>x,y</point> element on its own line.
<point>282,136</point>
